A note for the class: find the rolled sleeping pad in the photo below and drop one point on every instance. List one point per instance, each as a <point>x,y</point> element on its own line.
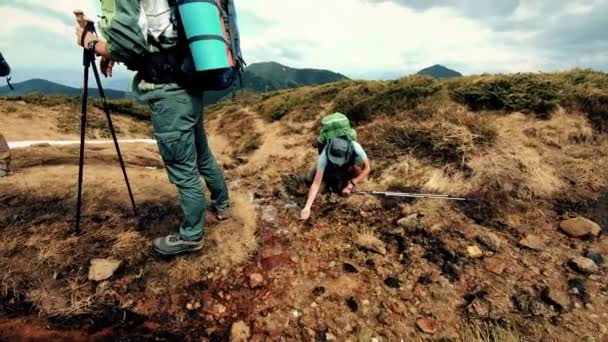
<point>206,34</point>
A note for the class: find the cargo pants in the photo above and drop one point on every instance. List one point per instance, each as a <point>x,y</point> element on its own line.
<point>177,118</point>
<point>5,156</point>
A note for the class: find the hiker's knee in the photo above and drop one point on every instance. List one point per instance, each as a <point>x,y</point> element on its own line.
<point>179,155</point>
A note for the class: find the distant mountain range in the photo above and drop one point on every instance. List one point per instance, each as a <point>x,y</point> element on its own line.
<point>258,77</point>
<point>269,76</point>
<point>37,85</point>
<point>439,71</point>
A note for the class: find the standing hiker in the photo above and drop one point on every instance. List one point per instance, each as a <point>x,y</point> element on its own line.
<point>5,157</point>
<point>152,43</point>
<point>342,162</point>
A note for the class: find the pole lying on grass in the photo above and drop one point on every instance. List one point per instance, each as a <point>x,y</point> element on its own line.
<point>408,194</point>
<point>88,60</point>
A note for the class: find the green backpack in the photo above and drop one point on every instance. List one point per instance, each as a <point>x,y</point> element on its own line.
<point>335,125</point>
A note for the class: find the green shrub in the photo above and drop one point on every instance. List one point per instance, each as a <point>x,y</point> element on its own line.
<point>526,93</point>
<point>362,102</point>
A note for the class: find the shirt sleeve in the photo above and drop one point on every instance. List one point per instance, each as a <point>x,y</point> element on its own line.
<point>360,155</point>
<point>322,162</point>
<point>123,25</point>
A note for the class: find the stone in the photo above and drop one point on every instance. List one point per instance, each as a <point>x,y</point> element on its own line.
<point>102,269</point>
<point>372,243</point>
<point>409,222</point>
<point>240,332</point>
<point>583,265</point>
<point>555,297</point>
<point>490,240</point>
<point>269,214</point>
<point>256,280</point>
<point>474,252</point>
<point>579,227</point>
<point>427,325</point>
<point>495,265</point>
<point>533,242</point>
<point>597,258</point>
<point>217,310</point>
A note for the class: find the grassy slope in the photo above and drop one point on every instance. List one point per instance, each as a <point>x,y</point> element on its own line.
<point>528,149</point>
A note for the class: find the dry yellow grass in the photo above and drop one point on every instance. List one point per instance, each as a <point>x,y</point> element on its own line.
<point>228,244</point>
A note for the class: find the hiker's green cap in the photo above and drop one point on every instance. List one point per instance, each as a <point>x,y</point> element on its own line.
<point>337,151</point>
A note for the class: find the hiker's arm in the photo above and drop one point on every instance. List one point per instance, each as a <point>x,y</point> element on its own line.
<point>124,34</point>
<point>312,194</point>
<point>364,173</point>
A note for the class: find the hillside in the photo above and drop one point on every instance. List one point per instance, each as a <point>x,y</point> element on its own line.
<point>51,88</point>
<point>439,71</point>
<point>523,259</point>
<point>270,76</point>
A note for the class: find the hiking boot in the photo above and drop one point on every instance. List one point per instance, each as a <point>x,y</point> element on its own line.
<point>220,213</point>
<point>173,244</point>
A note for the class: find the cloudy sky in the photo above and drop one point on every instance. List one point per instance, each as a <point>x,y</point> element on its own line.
<point>359,38</point>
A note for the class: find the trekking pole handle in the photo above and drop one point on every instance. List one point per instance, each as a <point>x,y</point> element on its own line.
<point>87,24</point>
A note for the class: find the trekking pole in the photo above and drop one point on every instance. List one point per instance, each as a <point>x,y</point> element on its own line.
<point>408,194</point>
<point>88,59</point>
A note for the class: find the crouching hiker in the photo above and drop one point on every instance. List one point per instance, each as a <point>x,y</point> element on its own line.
<point>148,37</point>
<point>5,157</point>
<point>342,162</point>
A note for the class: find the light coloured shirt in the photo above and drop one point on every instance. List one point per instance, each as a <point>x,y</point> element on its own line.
<point>360,157</point>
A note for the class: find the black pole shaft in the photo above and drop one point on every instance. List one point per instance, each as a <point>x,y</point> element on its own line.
<point>107,111</point>
<point>83,122</point>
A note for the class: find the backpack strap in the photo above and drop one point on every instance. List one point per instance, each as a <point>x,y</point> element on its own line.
<point>8,81</point>
<point>232,33</point>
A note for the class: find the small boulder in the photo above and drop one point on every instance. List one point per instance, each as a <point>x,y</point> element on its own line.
<point>269,214</point>
<point>579,227</point>
<point>427,325</point>
<point>240,332</point>
<point>583,265</point>
<point>102,269</point>
<point>533,242</point>
<point>370,242</point>
<point>409,222</point>
<point>557,298</point>
<point>495,265</point>
<point>474,252</point>
<point>256,280</point>
<point>490,240</point>
<point>597,258</point>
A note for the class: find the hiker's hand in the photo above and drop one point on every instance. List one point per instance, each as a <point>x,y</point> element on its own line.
<point>106,65</point>
<point>347,190</point>
<point>305,214</point>
<point>89,36</point>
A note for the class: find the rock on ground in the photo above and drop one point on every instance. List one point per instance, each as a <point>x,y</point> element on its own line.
<point>427,325</point>
<point>102,269</point>
<point>583,265</point>
<point>256,280</point>
<point>533,242</point>
<point>579,227</point>
<point>371,242</point>
<point>490,240</point>
<point>240,332</point>
<point>474,252</point>
<point>409,222</point>
<point>556,297</point>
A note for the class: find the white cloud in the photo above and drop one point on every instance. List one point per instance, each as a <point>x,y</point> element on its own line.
<point>355,37</point>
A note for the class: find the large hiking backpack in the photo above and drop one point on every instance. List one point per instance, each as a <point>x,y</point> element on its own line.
<point>5,71</point>
<point>210,31</point>
<point>335,125</point>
